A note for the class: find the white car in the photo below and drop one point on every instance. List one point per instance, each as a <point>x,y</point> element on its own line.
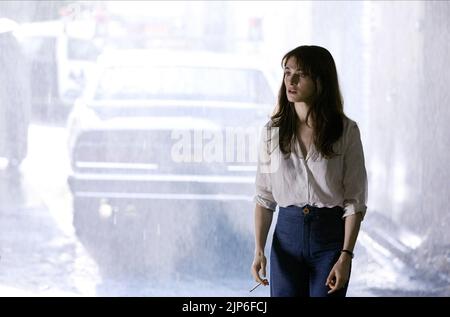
<point>160,131</point>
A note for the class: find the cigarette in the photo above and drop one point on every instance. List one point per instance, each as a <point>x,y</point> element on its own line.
<point>255,287</point>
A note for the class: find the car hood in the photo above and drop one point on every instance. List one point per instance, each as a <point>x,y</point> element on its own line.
<point>177,113</point>
<point>155,123</point>
<point>163,115</point>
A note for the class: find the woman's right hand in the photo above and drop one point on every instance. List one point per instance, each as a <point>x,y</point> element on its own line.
<point>259,267</point>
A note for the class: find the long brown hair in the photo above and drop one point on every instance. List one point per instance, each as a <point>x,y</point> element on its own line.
<point>326,111</point>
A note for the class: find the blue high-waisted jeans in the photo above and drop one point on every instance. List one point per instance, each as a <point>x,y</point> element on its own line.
<point>306,244</point>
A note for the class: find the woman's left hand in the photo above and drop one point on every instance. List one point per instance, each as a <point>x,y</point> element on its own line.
<point>339,274</point>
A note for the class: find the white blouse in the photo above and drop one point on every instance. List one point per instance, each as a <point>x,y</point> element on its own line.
<point>314,180</point>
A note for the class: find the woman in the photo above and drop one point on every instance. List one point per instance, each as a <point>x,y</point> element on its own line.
<point>311,165</point>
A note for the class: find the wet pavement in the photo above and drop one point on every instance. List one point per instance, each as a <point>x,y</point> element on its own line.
<point>41,254</point>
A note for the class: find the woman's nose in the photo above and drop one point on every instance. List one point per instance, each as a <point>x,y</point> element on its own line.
<point>294,79</point>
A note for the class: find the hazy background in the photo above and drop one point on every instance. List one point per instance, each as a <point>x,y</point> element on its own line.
<point>393,59</point>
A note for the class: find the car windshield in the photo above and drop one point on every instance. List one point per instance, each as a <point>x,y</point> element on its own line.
<point>185,83</point>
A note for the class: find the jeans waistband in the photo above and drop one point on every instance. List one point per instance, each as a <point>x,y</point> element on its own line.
<point>308,210</point>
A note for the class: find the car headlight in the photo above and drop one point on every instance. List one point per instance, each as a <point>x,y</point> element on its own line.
<point>105,210</point>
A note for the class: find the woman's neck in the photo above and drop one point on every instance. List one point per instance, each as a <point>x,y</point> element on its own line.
<point>301,108</point>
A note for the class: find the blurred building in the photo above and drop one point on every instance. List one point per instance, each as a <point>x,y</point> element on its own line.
<point>14,97</point>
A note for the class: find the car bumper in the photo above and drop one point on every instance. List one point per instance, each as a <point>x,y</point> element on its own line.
<point>161,187</point>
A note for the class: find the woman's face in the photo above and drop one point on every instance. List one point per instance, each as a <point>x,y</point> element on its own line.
<point>299,86</point>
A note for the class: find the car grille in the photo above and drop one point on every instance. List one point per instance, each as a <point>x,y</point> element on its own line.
<point>141,152</point>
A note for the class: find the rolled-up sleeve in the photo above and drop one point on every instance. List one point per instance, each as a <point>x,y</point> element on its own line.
<point>355,176</point>
<point>263,194</point>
